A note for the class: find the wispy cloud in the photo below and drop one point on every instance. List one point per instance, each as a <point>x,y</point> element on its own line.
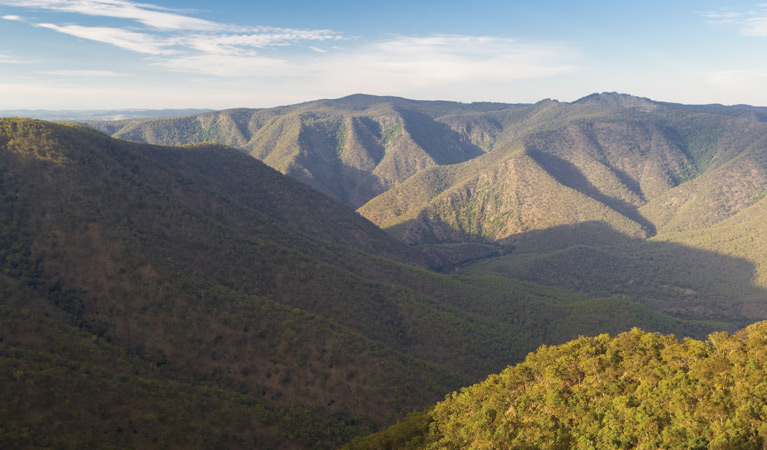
<point>246,44</point>
<point>440,58</point>
<point>323,60</point>
<point>755,26</point>
<point>400,61</point>
<point>85,73</point>
<point>129,40</point>
<point>6,58</point>
<point>229,65</point>
<point>191,44</point>
<point>726,15</point>
<point>150,15</point>
<point>750,23</point>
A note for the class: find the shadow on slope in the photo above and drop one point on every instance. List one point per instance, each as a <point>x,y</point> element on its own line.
<point>439,141</point>
<point>568,174</point>
<point>595,260</point>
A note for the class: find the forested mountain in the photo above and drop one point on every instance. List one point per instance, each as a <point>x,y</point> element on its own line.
<point>166,296</point>
<point>636,390</point>
<point>611,195</point>
<point>352,148</point>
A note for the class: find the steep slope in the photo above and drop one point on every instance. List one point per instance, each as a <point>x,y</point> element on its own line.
<point>735,157</point>
<point>200,280</point>
<point>515,197</point>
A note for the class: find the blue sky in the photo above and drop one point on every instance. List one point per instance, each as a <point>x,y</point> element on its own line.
<point>106,54</point>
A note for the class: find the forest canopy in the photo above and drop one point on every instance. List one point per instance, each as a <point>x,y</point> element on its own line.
<point>636,390</point>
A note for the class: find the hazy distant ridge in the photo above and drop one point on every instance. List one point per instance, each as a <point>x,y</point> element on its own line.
<point>97,114</point>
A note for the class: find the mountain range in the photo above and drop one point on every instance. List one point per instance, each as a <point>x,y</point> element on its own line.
<point>163,286</point>
<point>661,200</point>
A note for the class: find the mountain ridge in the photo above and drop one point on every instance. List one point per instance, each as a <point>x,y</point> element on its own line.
<point>442,174</point>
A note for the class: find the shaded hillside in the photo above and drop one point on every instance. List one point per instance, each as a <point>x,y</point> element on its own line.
<point>674,275</point>
<point>637,390</point>
<point>246,308</point>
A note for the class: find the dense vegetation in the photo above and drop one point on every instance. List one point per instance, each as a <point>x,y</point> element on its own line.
<point>636,390</point>
<point>611,195</point>
<point>193,296</point>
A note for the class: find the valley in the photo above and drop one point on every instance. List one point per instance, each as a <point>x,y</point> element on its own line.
<point>659,194</point>
<point>299,276</point>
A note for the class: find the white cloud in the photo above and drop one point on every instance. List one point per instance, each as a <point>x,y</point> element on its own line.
<point>85,73</point>
<point>755,26</point>
<point>229,65</point>
<point>129,40</point>
<point>9,59</point>
<point>244,44</point>
<point>439,61</point>
<point>413,62</point>
<point>150,15</point>
<point>194,44</point>
<point>751,23</point>
<point>724,15</point>
<point>433,66</point>
<point>160,18</point>
<point>12,17</point>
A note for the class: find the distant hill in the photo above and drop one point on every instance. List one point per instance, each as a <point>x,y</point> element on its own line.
<point>636,390</point>
<point>644,191</point>
<point>168,296</point>
<point>97,114</point>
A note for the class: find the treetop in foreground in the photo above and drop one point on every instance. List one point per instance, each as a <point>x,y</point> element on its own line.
<point>636,390</point>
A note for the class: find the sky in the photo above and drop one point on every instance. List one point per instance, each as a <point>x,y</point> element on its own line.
<point>118,54</point>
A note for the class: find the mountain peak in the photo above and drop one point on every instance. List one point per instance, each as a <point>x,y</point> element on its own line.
<point>617,99</point>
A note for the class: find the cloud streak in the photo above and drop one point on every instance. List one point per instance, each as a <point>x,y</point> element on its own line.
<point>129,40</point>
<point>147,14</point>
<point>86,73</point>
<point>9,59</point>
<point>192,44</point>
<point>224,65</point>
<point>435,61</point>
<point>755,26</point>
<point>187,44</point>
<point>415,62</point>
<point>752,23</point>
